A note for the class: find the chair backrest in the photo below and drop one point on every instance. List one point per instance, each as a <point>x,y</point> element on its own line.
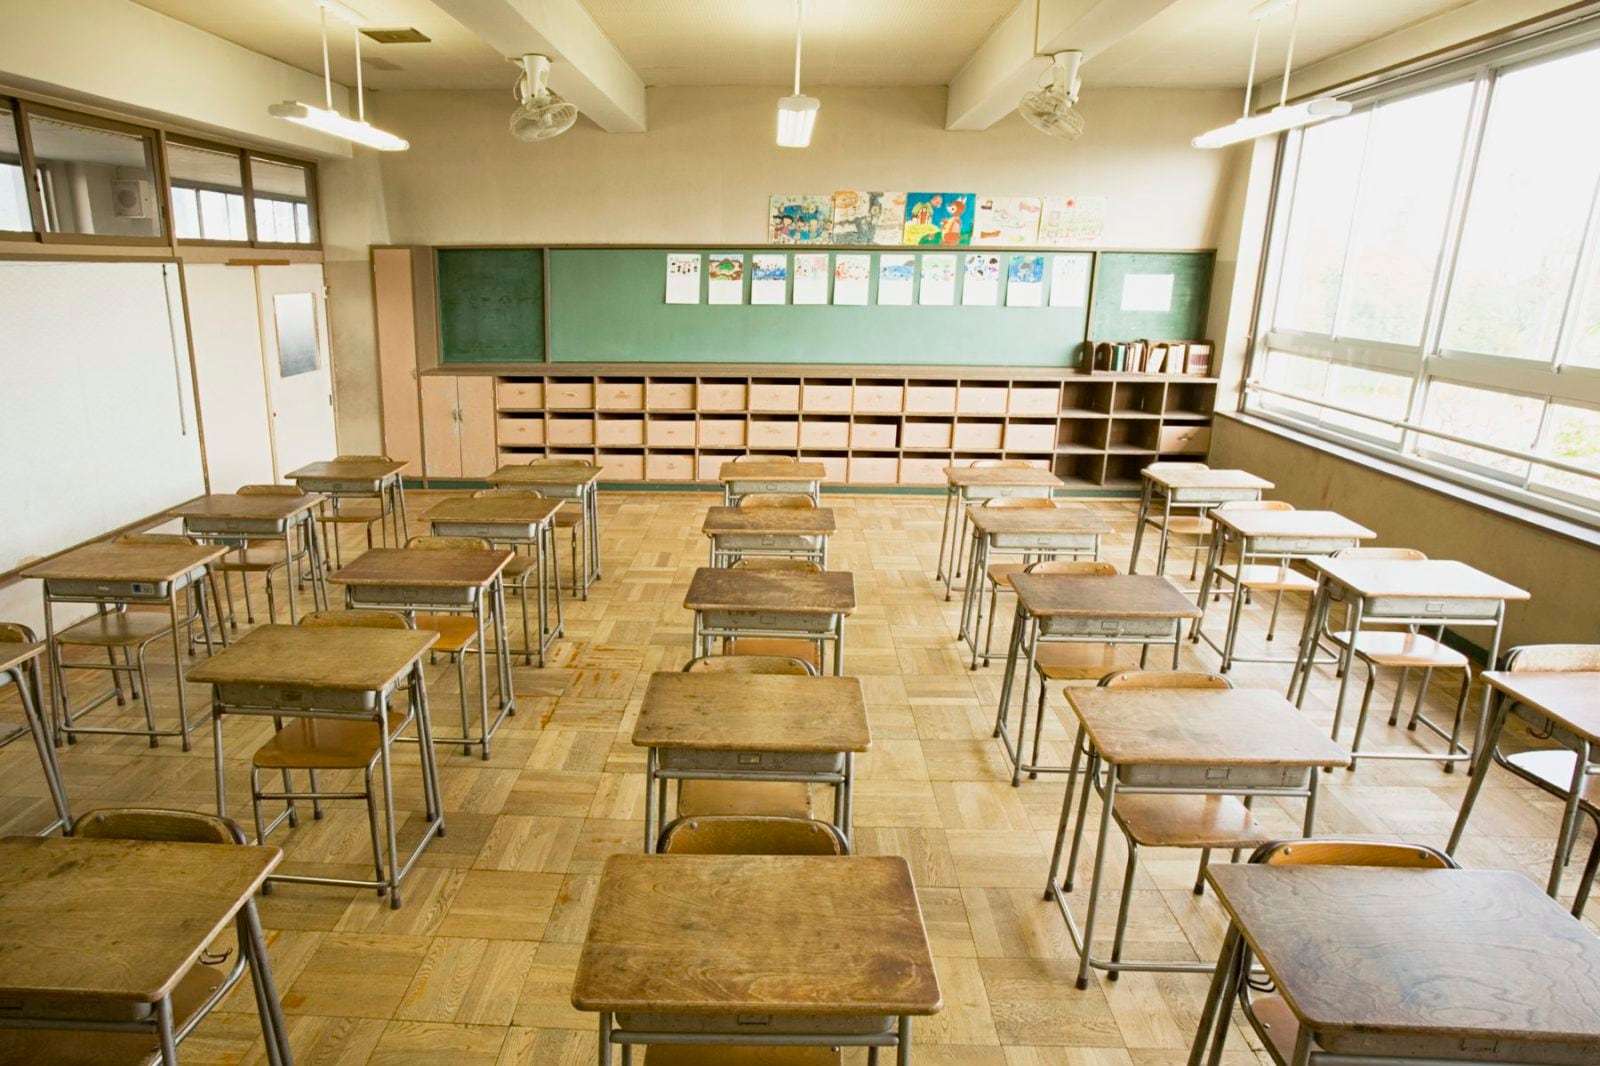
<point>1078,567</point>
<point>1380,553</point>
<point>356,619</point>
<point>16,633</point>
<point>749,664</point>
<point>766,562</point>
<point>158,824</point>
<point>777,501</point>
<point>505,493</point>
<point>439,544</point>
<point>550,460</point>
<point>1255,505</point>
<point>1020,503</point>
<point>270,490</point>
<point>1353,853</point>
<point>753,457</point>
<point>1008,464</point>
<point>364,459</point>
<point>153,538</point>
<point>1174,465</point>
<point>732,834</point>
<point>1553,658</point>
<point>1165,679</point>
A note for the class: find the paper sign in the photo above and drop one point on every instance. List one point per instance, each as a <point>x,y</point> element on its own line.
<point>1069,281</point>
<point>683,278</point>
<point>1147,292</point>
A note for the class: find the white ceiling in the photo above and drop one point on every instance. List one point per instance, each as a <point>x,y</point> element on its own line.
<point>1193,43</point>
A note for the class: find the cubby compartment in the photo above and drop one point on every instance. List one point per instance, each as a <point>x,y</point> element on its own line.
<point>878,398</point>
<point>722,432</point>
<point>619,394</point>
<point>669,466</point>
<point>562,395</point>
<point>512,395</point>
<point>1030,437</point>
<point>824,432</point>
<point>715,395</point>
<point>922,471</point>
<point>1123,471</point>
<point>834,464</point>
<point>669,394</point>
<point>925,433</point>
<point>874,469</point>
<point>980,399</point>
<point>619,431</point>
<point>572,455</point>
<point>774,394</point>
<point>1190,400</point>
<point>1081,471</point>
<point>1078,436</point>
<point>562,431</point>
<point>1033,399</point>
<point>880,434</point>
<point>708,465</point>
<point>520,431</point>
<point>1137,399</point>
<point>622,466</point>
<point>1079,398</point>
<point>670,432</point>
<point>975,434</point>
<point>1184,439</point>
<point>519,458</point>
<point>930,397</point>
<point>825,396</point>
<point>1132,436</point>
<point>774,433</point>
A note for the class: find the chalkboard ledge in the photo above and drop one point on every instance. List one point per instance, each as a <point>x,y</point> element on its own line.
<point>787,370</point>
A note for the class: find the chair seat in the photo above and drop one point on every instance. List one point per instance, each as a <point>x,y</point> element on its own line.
<point>362,515</point>
<point>1001,573</point>
<point>118,629</point>
<point>568,517</point>
<point>1185,525</point>
<point>708,1055</point>
<point>1282,1027</point>
<point>1176,821</point>
<point>1398,648</point>
<point>258,557</point>
<point>323,744</point>
<point>1264,577</point>
<point>1074,662</point>
<point>779,799</point>
<point>520,566</point>
<point>456,631</point>
<point>1553,766</point>
<point>783,647</point>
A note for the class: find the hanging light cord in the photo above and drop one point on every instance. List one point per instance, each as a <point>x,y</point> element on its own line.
<point>361,100</point>
<point>1288,59</point>
<point>327,74</point>
<point>1250,79</point>
<point>799,16</point>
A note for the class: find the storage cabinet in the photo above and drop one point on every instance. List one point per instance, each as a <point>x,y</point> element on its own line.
<point>458,426</point>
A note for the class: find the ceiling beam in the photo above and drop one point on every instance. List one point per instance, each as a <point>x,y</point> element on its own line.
<point>1016,54</point>
<point>585,67</point>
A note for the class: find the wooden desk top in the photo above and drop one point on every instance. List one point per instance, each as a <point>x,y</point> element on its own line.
<point>348,470</point>
<point>761,470</point>
<point>418,568</point>
<point>777,521</point>
<point>752,712</point>
<point>1464,954</point>
<point>1024,520</point>
<point>526,509</point>
<point>1201,727</point>
<point>1305,524</point>
<point>232,505</point>
<point>1571,698</point>
<point>1201,476</point>
<point>721,589</point>
<point>745,934</point>
<point>1002,477</point>
<point>106,561</point>
<point>343,659</point>
<point>14,654</point>
<point>1422,579</point>
<point>1112,596</point>
<point>115,921</point>
<point>565,474</point>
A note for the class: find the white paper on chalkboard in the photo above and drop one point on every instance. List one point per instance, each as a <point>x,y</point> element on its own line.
<point>769,279</point>
<point>980,280</point>
<point>811,277</point>
<point>1069,281</point>
<point>851,279</point>
<point>683,278</point>
<point>896,278</point>
<point>1147,292</point>
<point>938,280</point>
<point>726,278</point>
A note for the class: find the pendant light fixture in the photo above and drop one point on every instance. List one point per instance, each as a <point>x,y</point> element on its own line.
<point>328,119</point>
<point>1284,116</point>
<point>797,114</point>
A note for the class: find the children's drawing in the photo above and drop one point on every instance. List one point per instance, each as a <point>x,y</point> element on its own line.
<point>804,219</point>
<point>1025,281</point>
<point>892,219</point>
<point>896,276</point>
<point>725,274</point>
<point>683,277</point>
<point>1006,220</point>
<point>811,278</point>
<point>769,278</point>
<point>938,218</point>
<point>851,279</point>
<point>980,280</point>
<point>938,280</point>
<point>1072,219</point>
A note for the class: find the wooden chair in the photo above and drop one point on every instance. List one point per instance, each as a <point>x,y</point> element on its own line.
<point>1251,578</point>
<point>727,1055</point>
<point>1550,769</point>
<point>458,633</point>
<point>572,519</point>
<point>777,501</point>
<point>1001,464</point>
<point>257,557</point>
<point>317,744</point>
<point>1185,525</point>
<point>30,692</point>
<point>522,569</point>
<point>205,984</point>
<point>747,835</point>
<point>749,664</point>
<point>1271,1018</point>
<point>998,575</point>
<point>335,514</point>
<point>807,651</point>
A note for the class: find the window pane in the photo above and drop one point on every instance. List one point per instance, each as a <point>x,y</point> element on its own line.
<point>94,181</point>
<point>1507,420</point>
<point>1411,159</point>
<point>1586,341</point>
<point>14,215</point>
<point>1319,225</point>
<point>1574,438</point>
<point>220,219</point>
<point>185,214</point>
<point>1534,183</point>
<point>266,229</point>
<point>1299,374</point>
<point>286,187</point>
<point>1372,391</point>
<point>217,178</point>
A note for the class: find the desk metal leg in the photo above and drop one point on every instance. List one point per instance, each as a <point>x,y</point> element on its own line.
<point>274,1030</point>
<point>387,768</point>
<point>838,648</point>
<point>1483,756</point>
<point>1022,716</point>
<point>1138,527</point>
<point>902,1055</point>
<point>164,1034</point>
<point>1346,660</point>
<point>1107,800</point>
<point>483,685</point>
<point>944,535</point>
<point>1003,711</point>
<point>1569,819</point>
<point>29,691</point>
<point>649,800</point>
<point>177,668</point>
<point>605,1039</point>
<point>1214,1014</point>
<point>1166,533</point>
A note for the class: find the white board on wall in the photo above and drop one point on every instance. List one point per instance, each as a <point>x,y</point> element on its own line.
<point>97,420</point>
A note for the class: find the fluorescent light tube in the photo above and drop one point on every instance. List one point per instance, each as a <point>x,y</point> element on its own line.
<point>1275,121</point>
<point>797,116</point>
<point>332,122</point>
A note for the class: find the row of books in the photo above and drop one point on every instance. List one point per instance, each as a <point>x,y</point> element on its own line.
<point>1150,357</point>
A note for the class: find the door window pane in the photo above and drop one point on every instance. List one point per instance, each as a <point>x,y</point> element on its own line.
<point>1319,225</point>
<point>14,215</point>
<point>93,180</point>
<point>1507,420</point>
<point>1533,187</point>
<point>1411,159</point>
<point>211,180</point>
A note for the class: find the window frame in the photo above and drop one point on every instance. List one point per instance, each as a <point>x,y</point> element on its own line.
<point>244,189</point>
<point>154,151</point>
<point>313,200</point>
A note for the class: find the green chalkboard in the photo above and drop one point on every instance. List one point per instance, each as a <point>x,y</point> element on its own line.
<point>1125,310</point>
<point>609,305</point>
<point>491,305</point>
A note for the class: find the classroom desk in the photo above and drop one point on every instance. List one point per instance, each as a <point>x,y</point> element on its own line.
<point>577,481</point>
<point>457,581</point>
<point>750,727</point>
<point>232,520</point>
<point>771,603</point>
<point>743,477</point>
<point>98,934</point>
<point>774,531</point>
<point>1425,593</point>
<point>19,665</point>
<point>1164,743</point>
<point>1382,966</point>
<point>513,521</point>
<point>109,573</point>
<point>756,950</point>
<point>1276,536</point>
<point>963,484</point>
<point>1569,700</point>
<point>360,479</point>
<point>1067,530</point>
<point>1113,609</point>
<point>331,672</point>
<point>1190,488</point>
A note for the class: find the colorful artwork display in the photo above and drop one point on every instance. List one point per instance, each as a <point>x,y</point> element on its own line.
<point>938,280</point>
<point>1025,280</point>
<point>805,219</point>
<point>683,278</point>
<point>769,279</point>
<point>725,274</point>
<point>980,280</point>
<point>1006,220</point>
<point>939,218</point>
<point>896,278</point>
<point>1072,219</point>
<point>851,279</point>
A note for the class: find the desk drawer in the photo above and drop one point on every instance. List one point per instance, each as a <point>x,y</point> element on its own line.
<point>364,596</point>
<point>249,527</point>
<point>494,531</point>
<point>1110,628</point>
<point>1060,542</point>
<point>764,1024</point>
<point>299,698</point>
<point>1382,607</point>
<point>1574,1052</point>
<point>791,542</point>
<point>754,762</point>
<point>1192,496</point>
<point>995,492</point>
<point>1216,776</point>
<point>752,622</point>
<point>746,487</point>
<point>1300,545</point>
<point>115,591</point>
<point>341,486</point>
